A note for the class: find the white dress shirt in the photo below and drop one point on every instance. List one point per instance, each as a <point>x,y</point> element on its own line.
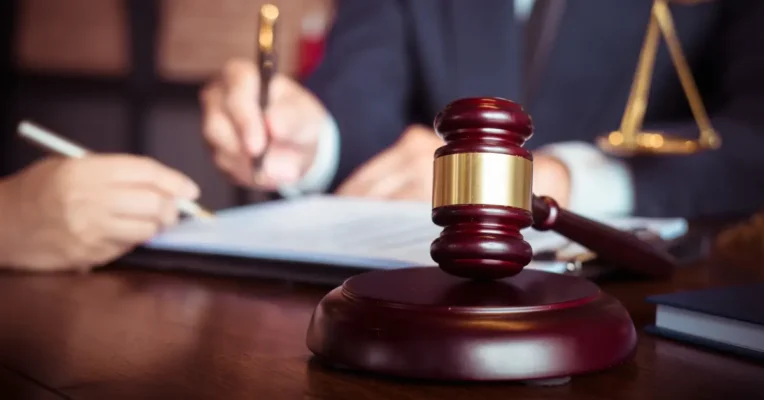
<point>600,185</point>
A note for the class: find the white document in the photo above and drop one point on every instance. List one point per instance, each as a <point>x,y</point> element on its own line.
<point>356,233</point>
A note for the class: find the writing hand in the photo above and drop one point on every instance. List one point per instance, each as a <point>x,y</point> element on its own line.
<point>402,172</point>
<point>77,214</point>
<point>237,130</point>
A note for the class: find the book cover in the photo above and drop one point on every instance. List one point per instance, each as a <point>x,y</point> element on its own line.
<point>743,303</point>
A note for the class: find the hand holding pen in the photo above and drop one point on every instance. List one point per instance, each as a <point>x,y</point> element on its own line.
<point>56,144</point>
<point>262,127</point>
<point>79,210</point>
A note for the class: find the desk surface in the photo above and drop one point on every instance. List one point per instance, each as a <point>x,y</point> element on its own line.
<point>140,335</point>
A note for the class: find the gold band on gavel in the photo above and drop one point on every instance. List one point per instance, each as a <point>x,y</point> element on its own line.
<point>483,179</point>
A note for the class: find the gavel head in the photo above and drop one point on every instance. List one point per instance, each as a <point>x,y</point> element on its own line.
<point>482,188</point>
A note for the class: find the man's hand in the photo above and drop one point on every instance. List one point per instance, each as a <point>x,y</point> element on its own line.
<point>237,130</point>
<point>401,172</point>
<point>551,178</point>
<point>404,171</point>
<point>76,214</point>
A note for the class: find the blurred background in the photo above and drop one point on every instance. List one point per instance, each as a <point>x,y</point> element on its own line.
<point>124,75</point>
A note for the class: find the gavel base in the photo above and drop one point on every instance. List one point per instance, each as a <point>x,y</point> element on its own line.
<point>423,323</point>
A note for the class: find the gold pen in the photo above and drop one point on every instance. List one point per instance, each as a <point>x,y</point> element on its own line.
<point>266,63</point>
<point>57,144</point>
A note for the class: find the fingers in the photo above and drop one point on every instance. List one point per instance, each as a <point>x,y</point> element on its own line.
<point>137,214</point>
<point>551,178</point>
<point>232,122</point>
<point>228,150</point>
<point>379,177</point>
<point>402,172</point>
<point>294,121</point>
<point>123,169</point>
<point>413,190</point>
<point>144,204</point>
<point>217,128</point>
<point>238,169</point>
<point>400,186</point>
<point>133,232</point>
<point>166,179</point>
<point>240,85</point>
<point>294,114</point>
<point>237,131</point>
<point>282,165</point>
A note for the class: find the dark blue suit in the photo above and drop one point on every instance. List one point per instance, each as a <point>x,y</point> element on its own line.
<point>391,63</point>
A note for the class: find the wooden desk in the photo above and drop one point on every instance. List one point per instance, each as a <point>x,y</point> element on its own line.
<point>140,335</point>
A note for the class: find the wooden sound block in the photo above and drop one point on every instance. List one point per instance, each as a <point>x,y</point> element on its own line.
<point>424,323</point>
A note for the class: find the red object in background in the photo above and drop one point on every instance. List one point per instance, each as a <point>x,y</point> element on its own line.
<point>311,43</point>
<point>311,53</point>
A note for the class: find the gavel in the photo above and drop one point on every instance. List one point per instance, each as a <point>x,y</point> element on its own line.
<point>482,197</point>
<point>480,314</point>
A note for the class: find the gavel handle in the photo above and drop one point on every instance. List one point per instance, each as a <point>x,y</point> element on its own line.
<point>610,244</point>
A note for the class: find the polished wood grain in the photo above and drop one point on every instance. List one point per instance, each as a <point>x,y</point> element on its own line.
<point>481,241</point>
<point>424,323</point>
<point>125,334</point>
<point>15,386</point>
<point>618,248</point>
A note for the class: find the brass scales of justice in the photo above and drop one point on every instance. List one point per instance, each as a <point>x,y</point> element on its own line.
<point>630,139</point>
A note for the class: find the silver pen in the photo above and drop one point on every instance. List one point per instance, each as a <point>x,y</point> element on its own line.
<point>57,144</point>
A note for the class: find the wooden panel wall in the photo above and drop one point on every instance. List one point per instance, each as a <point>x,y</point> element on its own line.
<point>195,37</point>
<point>87,37</point>
<point>210,33</point>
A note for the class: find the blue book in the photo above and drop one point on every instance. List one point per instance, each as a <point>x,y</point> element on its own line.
<point>729,319</point>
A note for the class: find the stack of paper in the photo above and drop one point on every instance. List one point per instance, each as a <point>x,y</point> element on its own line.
<point>358,233</point>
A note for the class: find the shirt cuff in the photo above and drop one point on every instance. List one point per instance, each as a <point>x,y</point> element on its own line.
<point>319,176</point>
<point>599,185</point>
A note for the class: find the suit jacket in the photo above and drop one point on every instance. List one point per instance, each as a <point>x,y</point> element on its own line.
<point>392,63</point>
